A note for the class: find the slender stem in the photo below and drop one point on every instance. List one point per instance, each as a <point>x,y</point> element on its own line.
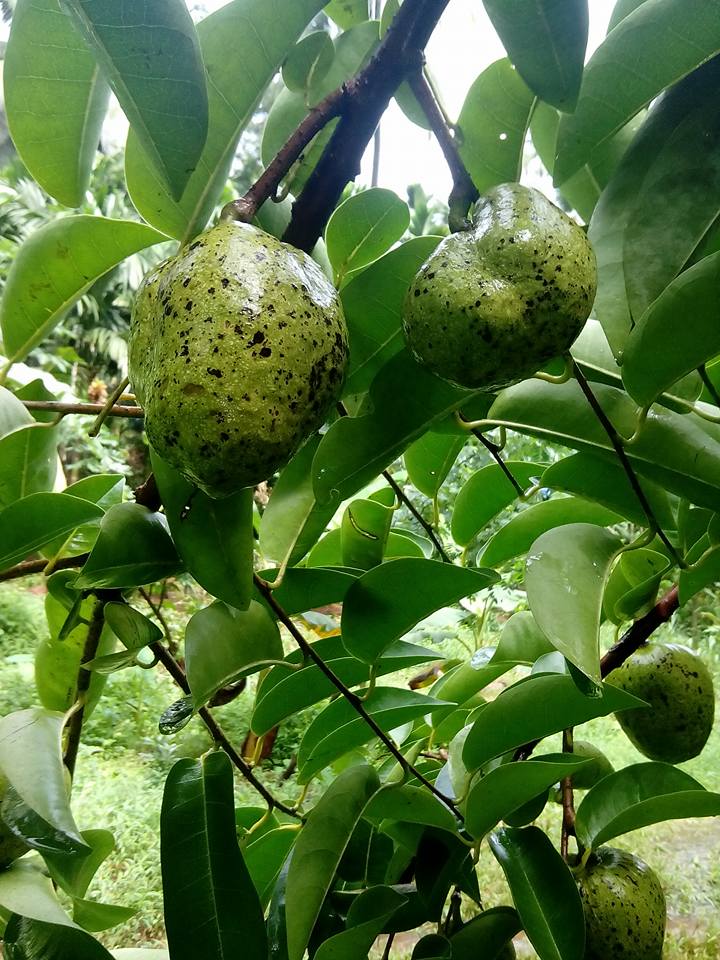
<point>622,456</point>
<point>427,527</point>
<point>568,801</point>
<point>388,946</point>
<point>29,567</point>
<point>352,698</point>
<point>75,723</point>
<point>88,409</point>
<point>464,192</point>
<point>107,407</point>
<point>156,609</point>
<point>217,733</point>
<point>495,454</point>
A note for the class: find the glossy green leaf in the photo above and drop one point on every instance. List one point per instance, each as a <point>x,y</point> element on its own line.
<point>485,494</point>
<point>283,692</point>
<point>565,575</point>
<point>434,946</point>
<point>606,482</point>
<point>544,892</point>
<point>318,851</point>
<point>523,529</point>
<point>130,626</point>
<point>405,543</point>
<point>213,537</point>
<point>373,305</point>
<point>362,228</point>
<point>533,708</point>
<point>105,490</point>
<point>509,786</point>
<point>243,45</point>
<point>634,64</point>
<point>637,796</point>
<point>704,571</point>
<point>153,63</point>
<point>367,917</point>
<point>55,266</point>
<point>27,939</point>
<point>429,460</point>
<point>622,9</point>
<point>133,547</point>
<point>492,125</point>
<point>96,917</point>
<point>309,61</point>
<point>685,314</point>
<point>34,521</point>
<point>265,856</point>
<point>75,873</point>
<point>340,728</point>
<point>211,907</point>
<point>25,890</point>
<point>546,41</point>
<point>682,453</point>
<point>521,641</point>
<point>223,644</point>
<point>356,449</point>
<point>307,588</point>
<point>176,716</point>
<point>13,414</point>
<point>28,455</point>
<point>410,804</point>
<point>486,934</point>
<point>31,759</point>
<point>379,607</point>
<point>633,584</point>
<point>45,51</point>
<point>364,532</point>
<point>293,520</point>
<point>347,13</point>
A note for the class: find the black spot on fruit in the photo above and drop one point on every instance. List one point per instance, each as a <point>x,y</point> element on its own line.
<point>679,688</point>
<point>293,318</point>
<point>624,906</point>
<point>534,309</point>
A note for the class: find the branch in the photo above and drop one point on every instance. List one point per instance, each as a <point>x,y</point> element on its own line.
<point>352,698</point>
<point>28,567</point>
<point>568,801</point>
<point>89,409</point>
<point>217,733</point>
<point>427,527</point>
<point>495,454</point>
<point>367,96</point>
<point>75,723</point>
<point>464,192</point>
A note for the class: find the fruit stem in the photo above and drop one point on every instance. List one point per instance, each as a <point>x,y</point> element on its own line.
<point>107,407</point>
<point>568,800</point>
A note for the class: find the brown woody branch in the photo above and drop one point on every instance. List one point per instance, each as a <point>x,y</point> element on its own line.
<point>29,567</point>
<point>89,409</point>
<point>568,800</point>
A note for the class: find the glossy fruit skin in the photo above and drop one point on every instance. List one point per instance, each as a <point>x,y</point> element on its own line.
<point>593,772</point>
<point>238,347</point>
<point>492,305</point>
<point>679,688</point>
<point>624,905</point>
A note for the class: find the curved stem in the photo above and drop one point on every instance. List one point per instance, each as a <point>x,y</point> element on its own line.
<point>107,407</point>
<point>495,454</point>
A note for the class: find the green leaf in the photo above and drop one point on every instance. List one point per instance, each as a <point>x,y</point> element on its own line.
<point>309,61</point>
<point>410,805</point>
<point>703,572</point>
<point>133,547</point>
<point>356,449</point>
<point>54,267</point>
<point>265,856</point>
<point>434,946</point>
<point>533,708</point>
<point>340,728</point>
<point>223,644</point>
<point>211,907</point>
<point>489,932</point>
<point>379,609</point>
<point>544,892</point>
<point>637,796</point>
<point>242,45</point>
<point>485,494</point>
<point>364,532</point>
<point>213,537</point>
<point>283,692</point>
<point>25,890</point>
<point>307,588</point>
<point>521,641</point>
<point>45,56</point>
<point>684,314</point>
<point>492,125</point>
<point>373,305</point>
<point>633,584</point>
<point>362,228</point>
<point>347,13</point>
<point>506,788</point>
<point>105,490</point>
<point>96,917</point>
<point>133,629</point>
<point>520,532</point>
<point>367,917</point>
<point>429,460</point>
<point>622,9</point>
<point>151,58</point>
<point>34,940</point>
<point>75,873</point>
<point>31,759</point>
<point>565,575</point>
<point>13,414</point>
<point>667,450</point>
<point>652,48</point>
<point>318,851</point>
<point>28,456</point>
<point>34,521</point>
<point>546,41</point>
<point>606,482</point>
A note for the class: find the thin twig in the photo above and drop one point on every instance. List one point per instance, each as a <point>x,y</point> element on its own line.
<point>495,454</point>
<point>617,444</point>
<point>29,567</point>
<point>388,946</point>
<point>108,406</point>
<point>427,527</point>
<point>75,723</point>
<point>156,609</point>
<point>85,409</point>
<point>217,733</point>
<point>568,801</point>
<point>352,698</point>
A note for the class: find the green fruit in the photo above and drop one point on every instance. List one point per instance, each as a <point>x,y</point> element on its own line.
<point>493,305</point>
<point>624,907</point>
<point>592,772</point>
<point>238,348</point>
<point>679,688</point>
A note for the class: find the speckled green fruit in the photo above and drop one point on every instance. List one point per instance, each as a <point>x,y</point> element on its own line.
<point>238,347</point>
<point>679,688</point>
<point>491,306</point>
<point>624,907</point>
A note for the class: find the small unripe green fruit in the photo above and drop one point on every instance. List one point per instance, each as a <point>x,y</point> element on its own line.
<point>598,768</point>
<point>624,906</point>
<point>238,348</point>
<point>494,304</point>
<point>679,688</point>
